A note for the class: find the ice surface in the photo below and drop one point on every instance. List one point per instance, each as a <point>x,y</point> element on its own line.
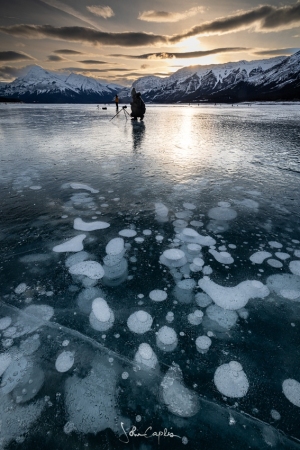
<point>90,269</point>
<point>79,224</point>
<point>231,380</point>
<point>72,245</point>
<point>233,297</point>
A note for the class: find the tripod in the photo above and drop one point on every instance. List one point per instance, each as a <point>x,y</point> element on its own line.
<point>125,112</point>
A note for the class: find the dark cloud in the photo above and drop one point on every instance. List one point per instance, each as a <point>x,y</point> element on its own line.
<point>278,51</point>
<point>82,34</point>
<point>66,51</point>
<point>80,69</point>
<point>13,56</point>
<point>171,55</point>
<point>163,16</point>
<point>56,58</point>
<point>8,73</point>
<point>92,61</point>
<point>145,66</point>
<point>266,18</point>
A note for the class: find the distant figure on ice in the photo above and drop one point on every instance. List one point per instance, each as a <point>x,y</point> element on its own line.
<point>138,107</point>
<point>117,102</point>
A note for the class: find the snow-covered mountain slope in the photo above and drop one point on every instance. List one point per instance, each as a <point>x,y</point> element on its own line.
<point>37,84</point>
<point>268,79</point>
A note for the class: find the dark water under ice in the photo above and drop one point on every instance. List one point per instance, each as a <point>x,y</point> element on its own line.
<point>244,159</point>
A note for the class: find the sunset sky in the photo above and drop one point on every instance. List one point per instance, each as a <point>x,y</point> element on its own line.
<point>122,40</point>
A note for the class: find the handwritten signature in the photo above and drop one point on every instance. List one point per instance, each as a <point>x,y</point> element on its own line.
<point>147,434</point>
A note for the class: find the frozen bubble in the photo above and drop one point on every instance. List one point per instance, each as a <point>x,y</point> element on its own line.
<point>69,427</point>
<point>13,374</point>
<point>247,203</point>
<point>203,343</point>
<point>184,440</point>
<point>138,418</point>
<point>207,270</point>
<point>139,322</point>
<point>179,400</point>
<point>202,300</point>
<point>146,357</point>
<point>259,257</point>
<point>294,267</point>
<point>102,317</point>
<point>193,249</point>
<point>222,213</point>
<point>274,244</point>
<point>147,232</point>
<point>233,246</point>
<point>65,343</point>
<point>198,262</point>
<point>115,247</point>
<point>188,284</point>
<point>5,322</point>
<point>243,313</point>
<point>231,380</point>
<point>127,233</point>
<point>225,318</point>
<point>91,269</point>
<point>291,389</point>
<point>195,318</point>
<point>139,240</point>
<point>297,253</point>
<point>5,360</point>
<point>196,223</point>
<point>170,316</point>
<point>166,338</point>
<point>281,255</point>
<point>72,245</point>
<point>64,361</point>
<point>275,414</point>
<point>84,187</point>
<point>159,238</point>
<point>233,297</point>
<point>125,375</point>
<point>222,257</point>
<point>285,285</point>
<point>44,312</point>
<point>158,295</point>
<point>190,206</point>
<point>21,288</point>
<point>180,223</point>
<point>77,258</point>
<point>35,187</point>
<point>173,258</point>
<point>79,224</point>
<point>190,235</point>
<point>274,263</point>
<point>161,210</point>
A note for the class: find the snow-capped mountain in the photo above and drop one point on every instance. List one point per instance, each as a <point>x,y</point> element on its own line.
<point>39,85</point>
<point>269,79</point>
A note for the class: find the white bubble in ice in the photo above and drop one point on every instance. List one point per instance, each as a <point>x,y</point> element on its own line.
<point>170,316</point>
<point>179,400</point>
<point>64,361</point>
<point>196,223</point>
<point>74,259</point>
<point>125,375</point>
<point>14,374</point>
<point>139,240</point>
<point>30,345</point>
<point>180,223</point>
<point>166,339</point>
<point>222,257</point>
<point>44,312</point>
<point>202,300</point>
<point>203,343</point>
<point>274,263</point>
<point>161,210</point>
<point>188,284</point>
<point>146,357</point>
<point>102,317</point>
<point>5,322</point>
<point>194,249</point>
<point>35,187</point>
<point>115,247</point>
<point>297,253</point>
<point>190,235</point>
<point>138,418</point>
<point>195,318</point>
<point>157,295</point>
<point>231,380</point>
<point>139,322</point>
<point>84,187</point>
<point>222,213</point>
<point>274,244</point>
<point>259,257</point>
<point>127,233</point>
<point>224,204</point>
<point>79,224</point>
<point>90,269</point>
<point>173,258</point>
<point>291,389</point>
<point>21,288</point>
<point>159,238</point>
<point>281,255</point>
<point>72,245</point>
<point>147,232</point>
<point>233,297</point>
<point>224,317</point>
<point>275,414</point>
<point>294,267</point>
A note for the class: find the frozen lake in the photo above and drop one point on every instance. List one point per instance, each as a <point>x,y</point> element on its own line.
<point>150,277</point>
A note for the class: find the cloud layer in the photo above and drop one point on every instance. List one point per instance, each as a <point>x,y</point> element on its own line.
<point>171,55</point>
<point>13,56</point>
<point>102,11</point>
<point>163,16</point>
